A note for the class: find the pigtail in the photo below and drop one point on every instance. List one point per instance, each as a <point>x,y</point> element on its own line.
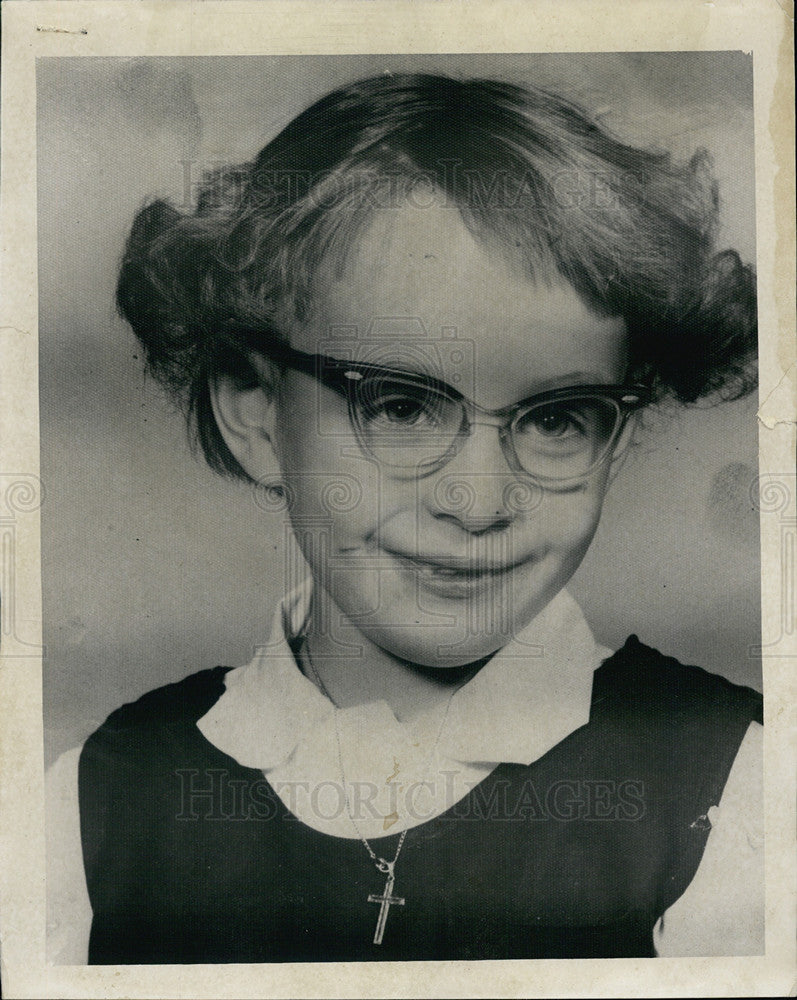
<point>157,293</point>
<point>712,355</point>
<point>169,292</point>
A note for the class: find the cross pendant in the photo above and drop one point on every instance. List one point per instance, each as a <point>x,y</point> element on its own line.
<point>387,899</point>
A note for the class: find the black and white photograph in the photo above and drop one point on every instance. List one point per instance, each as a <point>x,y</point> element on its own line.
<point>401,508</point>
<point>419,330</point>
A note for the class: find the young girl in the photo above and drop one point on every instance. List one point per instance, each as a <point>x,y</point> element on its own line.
<point>424,321</point>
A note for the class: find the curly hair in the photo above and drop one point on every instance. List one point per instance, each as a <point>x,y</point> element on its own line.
<point>531,174</point>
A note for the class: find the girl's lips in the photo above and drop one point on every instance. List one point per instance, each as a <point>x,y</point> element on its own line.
<point>456,581</point>
<point>453,568</point>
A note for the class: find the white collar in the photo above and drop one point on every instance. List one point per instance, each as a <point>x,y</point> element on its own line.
<point>531,695</point>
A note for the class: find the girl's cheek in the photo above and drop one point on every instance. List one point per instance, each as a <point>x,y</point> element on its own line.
<point>570,520</point>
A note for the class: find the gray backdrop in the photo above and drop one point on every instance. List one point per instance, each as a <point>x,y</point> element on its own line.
<point>152,566</point>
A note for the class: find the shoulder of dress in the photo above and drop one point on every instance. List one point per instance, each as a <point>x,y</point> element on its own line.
<point>640,675</point>
<point>182,702</point>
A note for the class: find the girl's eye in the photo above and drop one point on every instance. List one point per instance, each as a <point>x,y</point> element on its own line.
<point>552,421</point>
<point>400,410</point>
<point>399,405</point>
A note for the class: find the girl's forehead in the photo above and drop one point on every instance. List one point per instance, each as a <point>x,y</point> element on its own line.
<point>405,254</point>
<point>418,277</point>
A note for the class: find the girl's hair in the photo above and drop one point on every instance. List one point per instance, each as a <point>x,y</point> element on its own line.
<point>531,174</point>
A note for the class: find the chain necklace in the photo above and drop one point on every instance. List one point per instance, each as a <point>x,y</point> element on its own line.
<point>387,899</point>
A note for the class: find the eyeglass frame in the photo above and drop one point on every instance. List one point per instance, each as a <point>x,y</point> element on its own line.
<point>342,376</point>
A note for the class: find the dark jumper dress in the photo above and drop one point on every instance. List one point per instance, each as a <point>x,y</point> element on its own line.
<point>192,858</point>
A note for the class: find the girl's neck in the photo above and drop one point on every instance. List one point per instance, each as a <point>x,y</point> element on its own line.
<point>370,673</point>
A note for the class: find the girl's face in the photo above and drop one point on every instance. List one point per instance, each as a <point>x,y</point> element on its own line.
<point>443,569</point>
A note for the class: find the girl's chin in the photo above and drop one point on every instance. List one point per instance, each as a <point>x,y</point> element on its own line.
<point>442,649</point>
<point>446,622</point>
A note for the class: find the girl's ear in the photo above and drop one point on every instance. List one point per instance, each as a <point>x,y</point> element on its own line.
<point>246,418</point>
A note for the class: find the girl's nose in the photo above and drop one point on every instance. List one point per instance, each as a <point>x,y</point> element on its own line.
<point>477,489</point>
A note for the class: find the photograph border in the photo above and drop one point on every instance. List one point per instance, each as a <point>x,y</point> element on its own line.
<point>229,27</point>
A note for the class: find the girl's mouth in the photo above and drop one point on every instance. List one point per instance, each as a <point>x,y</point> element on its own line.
<point>453,565</point>
<point>453,577</point>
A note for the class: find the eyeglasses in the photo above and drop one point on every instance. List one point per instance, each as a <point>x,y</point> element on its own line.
<point>414,424</point>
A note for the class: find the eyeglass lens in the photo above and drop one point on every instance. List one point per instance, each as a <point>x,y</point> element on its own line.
<point>408,425</point>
